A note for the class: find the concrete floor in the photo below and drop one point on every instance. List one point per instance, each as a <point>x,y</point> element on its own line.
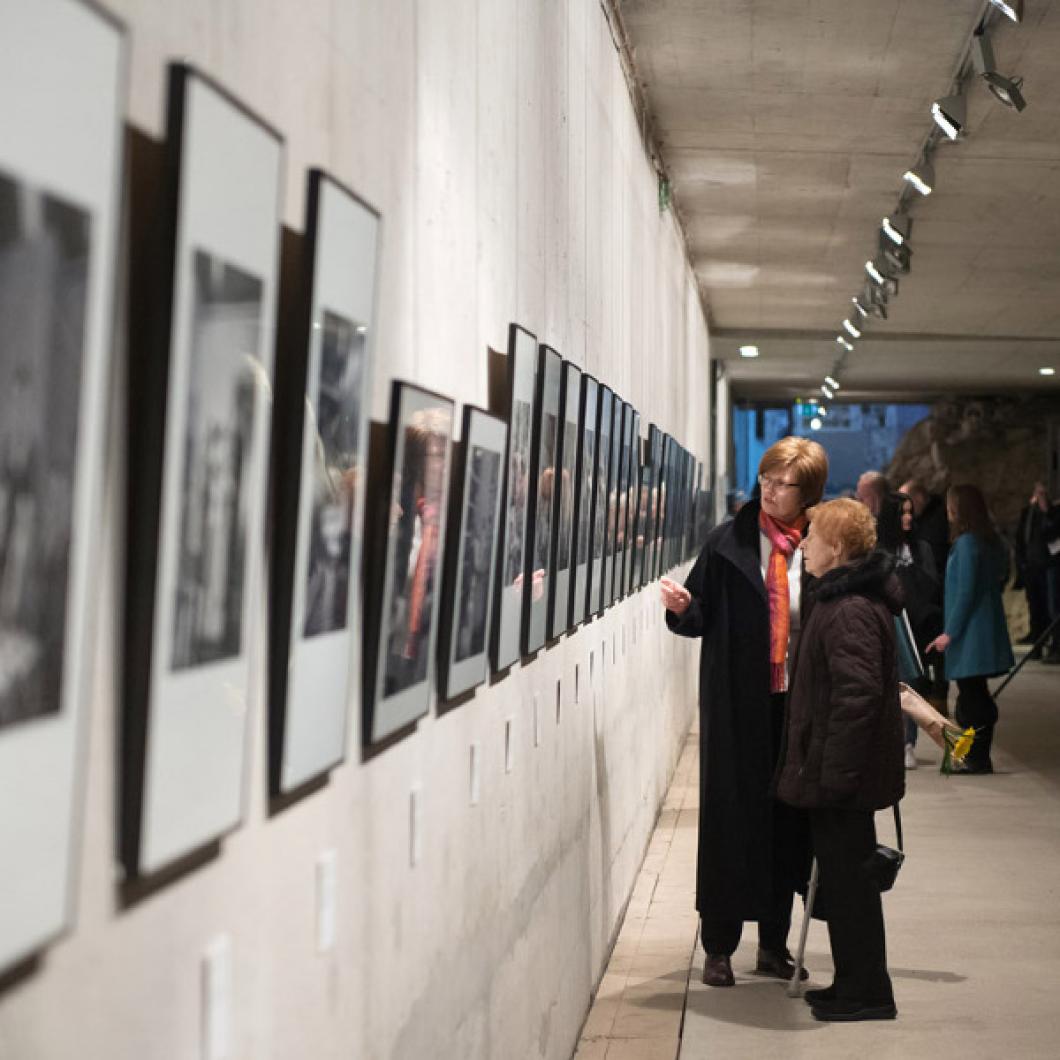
<point>973,925</point>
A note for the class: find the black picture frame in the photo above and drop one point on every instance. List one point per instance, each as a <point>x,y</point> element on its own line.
<point>584,498</point>
<point>63,80</point>
<point>515,402</point>
<point>614,480</point>
<point>199,437</point>
<point>598,536</point>
<point>471,553</point>
<point>632,497</point>
<point>563,522</point>
<point>538,574</point>
<point>319,471</point>
<point>406,548</point>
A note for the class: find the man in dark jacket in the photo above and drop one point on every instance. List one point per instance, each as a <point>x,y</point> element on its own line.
<point>1038,526</point>
<point>843,756</point>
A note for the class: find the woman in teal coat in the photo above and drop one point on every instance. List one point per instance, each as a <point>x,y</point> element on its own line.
<point>976,640</point>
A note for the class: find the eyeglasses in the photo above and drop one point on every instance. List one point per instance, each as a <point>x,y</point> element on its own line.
<point>774,485</point>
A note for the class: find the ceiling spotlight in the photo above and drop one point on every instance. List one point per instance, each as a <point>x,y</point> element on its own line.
<point>815,424</point>
<point>851,330</point>
<point>1047,371</point>
<point>827,393</point>
<point>922,177</point>
<point>874,271</point>
<point>831,382</point>
<point>748,351</point>
<point>1005,90</point>
<point>862,311</point>
<point>1012,9</point>
<point>843,342</point>
<point>822,410</point>
<point>950,115</point>
<point>897,227</point>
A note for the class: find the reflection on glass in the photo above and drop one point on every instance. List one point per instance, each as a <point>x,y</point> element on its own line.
<point>336,473</point>
<point>417,513</point>
<point>44,252</point>
<point>215,487</point>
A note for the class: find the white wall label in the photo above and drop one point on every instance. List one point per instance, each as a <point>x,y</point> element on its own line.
<point>475,779</point>
<point>217,999</point>
<point>327,894</point>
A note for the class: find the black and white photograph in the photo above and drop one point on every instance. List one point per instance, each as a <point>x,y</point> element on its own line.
<point>337,465</point>
<point>563,504</point>
<point>543,476</point>
<point>597,588</point>
<point>471,553</point>
<point>642,527</point>
<point>614,499</point>
<point>517,405</point>
<point>584,496</point>
<point>422,428</point>
<point>219,423</point>
<point>44,256</point>
<point>632,496</point>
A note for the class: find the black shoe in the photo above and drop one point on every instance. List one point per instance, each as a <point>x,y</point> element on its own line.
<point>971,769</point>
<point>717,971</point>
<point>841,1010</point>
<point>778,965</point>
<point>815,997</point>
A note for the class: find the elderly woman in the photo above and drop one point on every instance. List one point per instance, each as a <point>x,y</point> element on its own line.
<point>843,758</point>
<point>743,598</point>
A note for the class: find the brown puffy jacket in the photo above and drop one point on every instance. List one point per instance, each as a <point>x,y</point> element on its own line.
<point>844,726</point>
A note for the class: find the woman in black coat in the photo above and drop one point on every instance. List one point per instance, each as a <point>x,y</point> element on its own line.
<point>843,754</point>
<point>743,598</point>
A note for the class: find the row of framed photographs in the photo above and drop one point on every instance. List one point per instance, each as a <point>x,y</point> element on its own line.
<point>249,382</point>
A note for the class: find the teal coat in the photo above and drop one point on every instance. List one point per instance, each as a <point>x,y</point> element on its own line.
<point>975,618</point>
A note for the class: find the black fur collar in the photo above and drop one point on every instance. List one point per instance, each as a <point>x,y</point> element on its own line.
<point>872,576</point>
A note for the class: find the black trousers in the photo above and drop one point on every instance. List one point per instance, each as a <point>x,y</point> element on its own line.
<point>1036,586</point>
<point>976,707</point>
<point>720,935</point>
<point>842,841</point>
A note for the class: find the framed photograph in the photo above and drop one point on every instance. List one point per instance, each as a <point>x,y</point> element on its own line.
<point>517,405</point>
<point>632,498</point>
<point>200,432</point>
<point>401,634</point>
<point>320,438</point>
<point>538,578</point>
<point>663,507</point>
<point>584,499</point>
<point>61,143</point>
<point>642,527</point>
<point>471,554</point>
<point>654,461</point>
<point>614,479</point>
<point>605,415</point>
<point>563,499</point>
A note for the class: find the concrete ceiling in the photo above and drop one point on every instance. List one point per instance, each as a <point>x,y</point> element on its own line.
<point>786,126</point>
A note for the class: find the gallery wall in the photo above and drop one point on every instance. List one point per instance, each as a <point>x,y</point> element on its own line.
<point>498,142</point>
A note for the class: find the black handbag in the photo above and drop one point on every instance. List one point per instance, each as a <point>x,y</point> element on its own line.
<point>884,862</point>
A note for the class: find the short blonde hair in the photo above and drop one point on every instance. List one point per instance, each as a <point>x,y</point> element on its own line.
<point>846,523</point>
<point>806,461</point>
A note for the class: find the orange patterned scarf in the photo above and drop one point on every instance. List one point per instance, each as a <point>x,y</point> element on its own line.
<point>785,539</point>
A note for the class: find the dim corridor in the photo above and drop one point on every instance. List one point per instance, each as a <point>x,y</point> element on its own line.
<point>973,924</point>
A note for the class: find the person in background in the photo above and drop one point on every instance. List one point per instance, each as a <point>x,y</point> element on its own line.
<point>975,636</point>
<point>1038,526</point>
<point>931,526</point>
<point>743,597</point>
<point>873,488</point>
<point>843,758</point>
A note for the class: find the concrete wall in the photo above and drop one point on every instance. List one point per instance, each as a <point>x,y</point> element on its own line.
<point>498,140</point>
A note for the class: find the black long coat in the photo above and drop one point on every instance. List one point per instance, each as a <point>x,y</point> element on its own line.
<point>737,742</point>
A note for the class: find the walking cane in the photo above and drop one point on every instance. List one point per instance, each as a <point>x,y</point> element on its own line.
<point>795,986</point>
<point>1019,666</point>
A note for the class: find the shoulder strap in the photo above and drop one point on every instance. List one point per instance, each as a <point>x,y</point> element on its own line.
<point>898,827</point>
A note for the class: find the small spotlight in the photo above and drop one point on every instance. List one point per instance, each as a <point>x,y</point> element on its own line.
<point>843,342</point>
<point>950,114</point>
<point>897,227</point>
<point>862,311</point>
<point>922,177</point>
<point>815,423</point>
<point>831,382</point>
<point>822,410</point>
<point>1005,90</point>
<point>748,351</point>
<point>827,393</point>
<point>1047,371</point>
<point>851,330</point>
<point>1012,9</point>
<point>874,272</point>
